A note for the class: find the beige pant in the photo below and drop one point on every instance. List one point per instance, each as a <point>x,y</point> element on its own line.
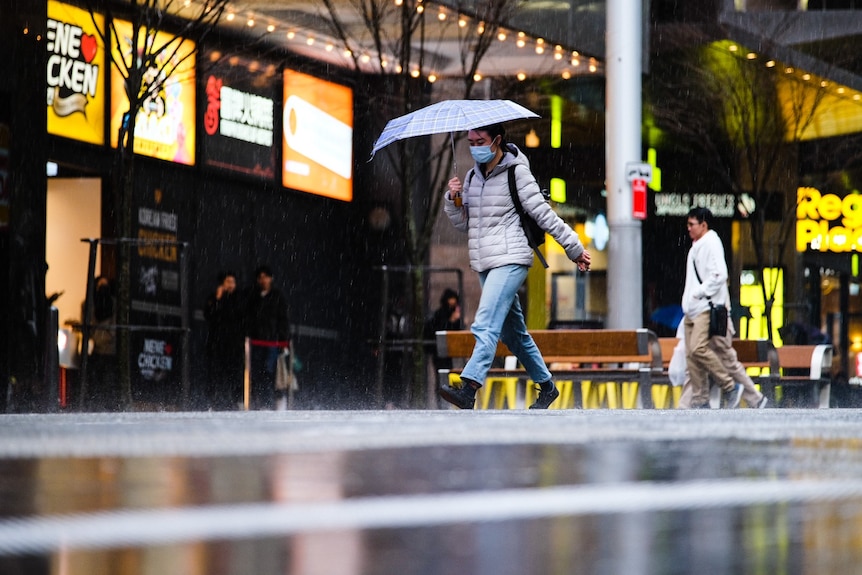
<point>702,360</point>
<point>723,348</point>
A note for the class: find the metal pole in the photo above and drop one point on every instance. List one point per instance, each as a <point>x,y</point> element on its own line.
<point>623,145</point>
<point>52,361</point>
<point>381,341</point>
<point>85,321</point>
<point>184,323</point>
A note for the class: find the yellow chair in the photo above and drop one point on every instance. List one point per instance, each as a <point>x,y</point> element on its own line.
<point>503,389</point>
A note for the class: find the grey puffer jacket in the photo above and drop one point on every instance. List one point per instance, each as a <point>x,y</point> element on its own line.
<point>494,234</point>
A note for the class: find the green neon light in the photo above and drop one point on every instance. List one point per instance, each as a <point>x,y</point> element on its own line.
<point>655,183</point>
<point>854,264</point>
<point>556,121</point>
<point>558,190</point>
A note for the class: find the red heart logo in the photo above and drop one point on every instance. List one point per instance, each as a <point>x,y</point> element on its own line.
<point>88,47</point>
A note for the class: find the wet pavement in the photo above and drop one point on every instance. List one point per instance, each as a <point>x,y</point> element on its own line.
<point>432,492</point>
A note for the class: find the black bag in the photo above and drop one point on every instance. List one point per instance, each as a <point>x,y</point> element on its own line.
<point>717,313</point>
<point>717,320</point>
<point>535,234</point>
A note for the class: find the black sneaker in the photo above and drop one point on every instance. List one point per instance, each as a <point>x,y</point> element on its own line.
<point>546,398</point>
<point>461,397</point>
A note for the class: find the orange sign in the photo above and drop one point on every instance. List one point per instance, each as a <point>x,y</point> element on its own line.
<point>75,74</point>
<point>165,123</point>
<point>318,136</point>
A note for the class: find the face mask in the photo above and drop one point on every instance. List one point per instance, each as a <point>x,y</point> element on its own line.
<point>482,154</point>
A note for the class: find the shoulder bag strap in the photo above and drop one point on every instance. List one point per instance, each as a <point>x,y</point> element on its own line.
<point>513,191</point>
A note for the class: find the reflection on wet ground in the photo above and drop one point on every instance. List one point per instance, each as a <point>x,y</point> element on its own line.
<point>425,492</point>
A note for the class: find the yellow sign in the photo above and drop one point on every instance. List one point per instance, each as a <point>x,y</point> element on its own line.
<point>165,123</point>
<point>828,223</point>
<point>75,74</point>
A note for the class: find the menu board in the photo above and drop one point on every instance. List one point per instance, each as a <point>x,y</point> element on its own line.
<point>165,123</point>
<point>75,73</point>
<point>317,136</point>
<point>237,114</point>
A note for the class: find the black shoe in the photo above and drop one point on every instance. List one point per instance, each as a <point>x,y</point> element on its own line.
<point>461,397</point>
<point>546,397</point>
<point>702,406</point>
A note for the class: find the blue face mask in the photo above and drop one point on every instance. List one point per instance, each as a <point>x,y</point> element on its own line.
<point>482,154</point>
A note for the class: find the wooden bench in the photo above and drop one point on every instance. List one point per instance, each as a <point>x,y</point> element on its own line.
<point>575,355</point>
<point>815,364</point>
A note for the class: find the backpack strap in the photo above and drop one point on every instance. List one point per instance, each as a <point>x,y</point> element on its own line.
<point>522,215</point>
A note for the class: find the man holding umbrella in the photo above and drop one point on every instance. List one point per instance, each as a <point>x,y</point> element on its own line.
<point>501,254</point>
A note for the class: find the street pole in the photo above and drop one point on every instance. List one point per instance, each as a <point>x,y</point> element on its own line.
<point>623,145</point>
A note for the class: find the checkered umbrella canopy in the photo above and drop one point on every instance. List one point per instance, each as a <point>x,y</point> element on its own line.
<point>450,116</point>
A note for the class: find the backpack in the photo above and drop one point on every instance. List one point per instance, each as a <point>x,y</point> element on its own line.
<point>535,234</point>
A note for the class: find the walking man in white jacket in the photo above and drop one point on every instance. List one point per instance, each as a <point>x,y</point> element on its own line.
<point>705,283</point>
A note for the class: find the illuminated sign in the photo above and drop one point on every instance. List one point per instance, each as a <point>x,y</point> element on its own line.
<point>75,74</point>
<point>238,115</point>
<point>672,204</point>
<point>165,123</point>
<point>318,136</point>
<point>828,223</point>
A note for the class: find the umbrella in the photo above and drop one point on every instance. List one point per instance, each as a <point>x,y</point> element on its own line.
<point>669,315</point>
<point>450,116</point>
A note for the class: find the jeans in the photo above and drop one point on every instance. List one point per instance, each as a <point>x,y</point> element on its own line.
<point>499,317</point>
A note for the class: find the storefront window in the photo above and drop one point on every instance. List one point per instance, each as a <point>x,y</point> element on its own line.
<point>752,324</point>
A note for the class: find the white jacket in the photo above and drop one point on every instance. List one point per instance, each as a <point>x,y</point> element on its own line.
<point>494,234</point>
<point>707,254</point>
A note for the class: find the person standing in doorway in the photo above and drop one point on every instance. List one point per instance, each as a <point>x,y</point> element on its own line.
<point>705,284</point>
<point>502,256</point>
<point>447,317</point>
<point>268,332</point>
<point>225,315</point>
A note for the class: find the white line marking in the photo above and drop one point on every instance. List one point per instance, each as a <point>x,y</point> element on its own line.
<point>111,529</point>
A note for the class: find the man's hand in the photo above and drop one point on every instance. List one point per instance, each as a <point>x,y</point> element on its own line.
<point>454,187</point>
<point>583,261</point>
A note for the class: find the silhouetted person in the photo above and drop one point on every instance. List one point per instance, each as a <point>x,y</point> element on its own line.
<point>225,348</point>
<point>268,331</point>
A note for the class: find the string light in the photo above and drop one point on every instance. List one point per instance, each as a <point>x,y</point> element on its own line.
<point>443,14</point>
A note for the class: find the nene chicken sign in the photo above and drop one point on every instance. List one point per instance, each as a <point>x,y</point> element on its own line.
<point>75,74</point>
<point>827,222</point>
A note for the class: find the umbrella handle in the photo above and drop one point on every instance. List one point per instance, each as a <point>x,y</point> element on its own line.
<point>454,163</point>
